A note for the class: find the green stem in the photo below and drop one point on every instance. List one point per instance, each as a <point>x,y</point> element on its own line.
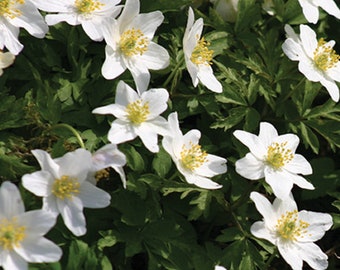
<point>293,90</point>
<point>175,69</point>
<point>238,224</point>
<point>271,258</point>
<point>74,132</point>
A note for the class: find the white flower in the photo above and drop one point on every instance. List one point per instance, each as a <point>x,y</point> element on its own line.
<point>21,233</point>
<point>110,156</point>
<point>217,267</point>
<point>291,231</point>
<point>317,59</point>
<point>89,13</point>
<point>130,46</point>
<point>197,55</point>
<point>273,156</point>
<point>64,186</point>
<point>138,115</point>
<point>192,162</point>
<point>15,14</point>
<point>6,59</point>
<point>310,9</point>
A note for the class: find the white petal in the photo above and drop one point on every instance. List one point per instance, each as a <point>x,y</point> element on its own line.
<point>37,222</point>
<point>46,162</point>
<point>93,197</point>
<point>157,101</point>
<point>307,68</point>
<point>259,230</point>
<point>329,6</point>
<point>267,134</point>
<point>191,137</point>
<point>50,205</point>
<point>290,254</point>
<point>108,109</point>
<point>72,213</point>
<point>76,164</point>
<point>125,94</point>
<point>11,203</point>
<point>319,223</point>
<point>130,11</point>
<point>148,23</point>
<point>280,182</point>
<point>113,65</point>
<point>9,37</point>
<point>107,156</point>
<point>291,141</point>
<point>14,261</point>
<point>308,39</point>
<point>250,167</point>
<point>93,30</point>
<point>213,166</point>
<point>139,72</point>
<point>255,145</point>
<point>40,183</point>
<point>53,19</point>
<point>121,173</point>
<point>156,57</point>
<point>193,71</point>
<point>265,209</point>
<point>120,132</point>
<point>282,206</point>
<point>149,137</point>
<point>292,49</point>
<point>313,255</point>
<point>332,89</point>
<point>310,11</point>
<point>207,78</point>
<point>202,182</point>
<point>52,5</point>
<point>38,250</point>
<point>299,165</point>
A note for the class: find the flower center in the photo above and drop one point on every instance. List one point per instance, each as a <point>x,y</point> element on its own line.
<point>11,233</point>
<point>289,227</point>
<point>133,42</point>
<point>87,6</point>
<point>201,53</point>
<point>278,155</point>
<point>138,112</point>
<point>7,9</point>
<point>65,187</point>
<point>324,56</point>
<point>192,157</point>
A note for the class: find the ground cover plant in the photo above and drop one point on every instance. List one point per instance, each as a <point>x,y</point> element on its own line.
<point>177,135</point>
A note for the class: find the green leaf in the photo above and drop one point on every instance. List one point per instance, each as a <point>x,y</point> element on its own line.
<point>133,158</point>
<point>236,115</point>
<point>309,138</point>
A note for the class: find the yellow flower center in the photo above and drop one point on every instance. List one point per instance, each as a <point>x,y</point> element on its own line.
<point>192,157</point>
<point>201,53</point>
<point>278,155</point>
<point>324,56</point>
<point>7,9</point>
<point>65,187</point>
<point>133,42</point>
<point>87,6</point>
<point>138,111</point>
<point>289,227</point>
<point>11,233</point>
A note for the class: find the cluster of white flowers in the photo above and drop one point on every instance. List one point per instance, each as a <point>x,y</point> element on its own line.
<point>67,184</point>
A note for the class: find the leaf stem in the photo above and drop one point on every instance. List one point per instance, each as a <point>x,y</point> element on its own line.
<point>74,132</point>
<point>175,69</point>
<point>271,258</point>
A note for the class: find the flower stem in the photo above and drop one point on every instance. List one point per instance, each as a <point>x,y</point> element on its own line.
<point>271,258</point>
<point>74,132</point>
<point>175,69</point>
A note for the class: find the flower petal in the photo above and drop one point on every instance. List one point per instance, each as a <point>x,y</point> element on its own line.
<point>120,132</point>
<point>259,230</point>
<point>280,182</point>
<point>207,78</point>
<point>37,222</point>
<point>201,182</point>
<point>40,183</point>
<point>313,255</point>
<point>156,57</point>
<point>11,203</point>
<point>290,254</point>
<point>250,167</point>
<point>93,197</point>
<point>38,250</point>
<point>299,165</point>
<point>310,11</point>
<point>113,65</point>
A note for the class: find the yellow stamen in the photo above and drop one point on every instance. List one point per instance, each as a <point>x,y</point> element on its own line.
<point>278,155</point>
<point>133,42</point>
<point>324,56</point>
<point>87,6</point>
<point>11,233</point>
<point>65,187</point>
<point>193,157</point>
<point>289,227</point>
<point>201,54</point>
<point>138,111</point>
<point>7,8</point>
